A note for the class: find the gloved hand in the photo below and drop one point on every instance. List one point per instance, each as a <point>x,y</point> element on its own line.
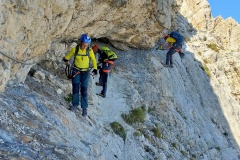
<point>94,72</point>
<point>65,60</point>
<point>181,54</point>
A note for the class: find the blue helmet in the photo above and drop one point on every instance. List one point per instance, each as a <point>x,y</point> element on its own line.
<point>84,38</point>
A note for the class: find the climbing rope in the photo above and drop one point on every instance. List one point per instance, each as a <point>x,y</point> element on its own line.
<point>24,63</point>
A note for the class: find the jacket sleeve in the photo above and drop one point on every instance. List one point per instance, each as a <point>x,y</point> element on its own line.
<point>92,56</point>
<point>100,58</point>
<point>103,56</point>
<point>70,53</point>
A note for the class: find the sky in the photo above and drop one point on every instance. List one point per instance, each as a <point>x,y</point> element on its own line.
<point>226,8</point>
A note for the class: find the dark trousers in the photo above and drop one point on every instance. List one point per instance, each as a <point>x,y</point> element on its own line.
<point>82,80</point>
<point>103,81</point>
<point>171,52</point>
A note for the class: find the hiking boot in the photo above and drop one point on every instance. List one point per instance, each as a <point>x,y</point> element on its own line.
<point>101,95</point>
<point>84,112</point>
<point>73,108</point>
<point>168,65</point>
<point>98,84</point>
<point>181,54</point>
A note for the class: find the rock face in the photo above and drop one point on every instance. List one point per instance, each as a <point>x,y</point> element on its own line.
<point>185,118</point>
<point>197,12</point>
<point>29,29</point>
<point>226,33</point>
<point>192,110</point>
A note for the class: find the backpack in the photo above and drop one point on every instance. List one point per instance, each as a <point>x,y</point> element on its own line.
<point>177,36</point>
<point>111,55</point>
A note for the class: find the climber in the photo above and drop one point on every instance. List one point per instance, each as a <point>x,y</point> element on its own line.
<point>168,40</point>
<point>106,59</point>
<point>175,41</point>
<point>95,49</point>
<point>81,72</point>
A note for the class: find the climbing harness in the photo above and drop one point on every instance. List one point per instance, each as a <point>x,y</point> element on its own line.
<point>107,67</point>
<point>68,71</point>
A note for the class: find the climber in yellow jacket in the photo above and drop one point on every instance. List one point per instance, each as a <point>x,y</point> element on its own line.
<point>168,40</point>
<point>175,41</point>
<point>80,74</point>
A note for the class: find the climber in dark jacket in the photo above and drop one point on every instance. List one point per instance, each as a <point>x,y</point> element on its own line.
<point>106,59</point>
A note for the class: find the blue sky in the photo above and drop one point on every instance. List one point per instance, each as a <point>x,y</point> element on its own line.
<point>225,8</point>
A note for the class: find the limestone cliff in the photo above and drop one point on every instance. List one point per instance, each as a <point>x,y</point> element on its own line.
<point>30,28</point>
<point>186,116</point>
<point>226,33</point>
<point>192,110</point>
